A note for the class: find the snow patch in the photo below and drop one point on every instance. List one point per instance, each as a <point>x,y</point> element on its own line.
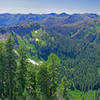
<point>29,60</point>
<point>37,39</point>
<point>32,61</point>
<point>16,52</point>
<point>36,31</point>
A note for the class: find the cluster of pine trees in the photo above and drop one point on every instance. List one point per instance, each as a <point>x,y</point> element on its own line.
<point>21,80</point>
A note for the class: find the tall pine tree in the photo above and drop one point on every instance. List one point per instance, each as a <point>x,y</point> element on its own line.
<point>22,71</point>
<point>10,68</point>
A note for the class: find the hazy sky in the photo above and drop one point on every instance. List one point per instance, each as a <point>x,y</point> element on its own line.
<point>48,6</point>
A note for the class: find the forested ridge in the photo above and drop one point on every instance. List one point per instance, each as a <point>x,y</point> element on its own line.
<point>66,56</point>
<point>21,80</point>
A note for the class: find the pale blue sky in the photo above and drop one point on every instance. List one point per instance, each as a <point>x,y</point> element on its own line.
<point>50,6</point>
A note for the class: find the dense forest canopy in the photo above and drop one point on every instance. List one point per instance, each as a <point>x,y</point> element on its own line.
<point>52,57</point>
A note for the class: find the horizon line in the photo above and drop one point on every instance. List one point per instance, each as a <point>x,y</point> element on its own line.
<point>49,13</point>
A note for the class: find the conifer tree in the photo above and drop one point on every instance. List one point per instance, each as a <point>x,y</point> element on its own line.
<point>10,68</point>
<point>22,71</point>
<point>42,82</point>
<point>53,63</point>
<point>64,89</point>
<point>2,71</point>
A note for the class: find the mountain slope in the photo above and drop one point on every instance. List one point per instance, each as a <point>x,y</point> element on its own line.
<point>53,18</point>
<point>76,43</point>
<point>85,30</point>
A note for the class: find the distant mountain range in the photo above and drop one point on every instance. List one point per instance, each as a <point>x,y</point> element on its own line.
<point>75,26</point>
<point>44,19</point>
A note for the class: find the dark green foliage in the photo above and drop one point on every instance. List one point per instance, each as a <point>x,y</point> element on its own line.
<point>42,82</point>
<point>2,71</point>
<point>21,71</point>
<point>63,89</point>
<point>10,68</point>
<point>69,54</point>
<point>53,63</point>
